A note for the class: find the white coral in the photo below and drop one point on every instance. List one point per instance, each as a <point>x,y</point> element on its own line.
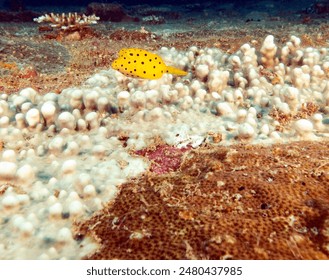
<point>66,21</point>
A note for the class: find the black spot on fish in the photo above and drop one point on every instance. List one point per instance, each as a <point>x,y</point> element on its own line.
<point>131,72</point>
<point>128,62</point>
<point>121,65</point>
<point>153,67</point>
<point>153,75</point>
<point>124,58</point>
<point>155,58</point>
<point>134,61</point>
<point>150,60</point>
<point>135,70</point>
<point>167,71</point>
<point>142,62</point>
<point>144,72</point>
<point>125,68</point>
<point>131,54</point>
<point>145,54</point>
<point>138,54</point>
<point>160,62</point>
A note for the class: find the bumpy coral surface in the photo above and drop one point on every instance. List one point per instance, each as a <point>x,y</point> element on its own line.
<point>238,202</point>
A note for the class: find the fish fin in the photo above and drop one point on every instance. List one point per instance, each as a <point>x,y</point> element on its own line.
<point>175,71</point>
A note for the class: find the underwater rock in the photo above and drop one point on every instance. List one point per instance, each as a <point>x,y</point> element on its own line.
<point>109,12</point>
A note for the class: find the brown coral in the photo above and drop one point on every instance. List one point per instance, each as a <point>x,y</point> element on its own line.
<point>239,202</point>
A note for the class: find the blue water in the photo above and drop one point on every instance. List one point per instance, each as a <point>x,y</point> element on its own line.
<point>8,4</point>
<point>250,10</point>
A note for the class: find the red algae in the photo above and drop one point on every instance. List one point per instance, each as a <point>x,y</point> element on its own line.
<point>164,158</point>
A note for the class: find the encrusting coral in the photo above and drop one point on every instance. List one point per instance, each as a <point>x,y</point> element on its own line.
<point>221,204</point>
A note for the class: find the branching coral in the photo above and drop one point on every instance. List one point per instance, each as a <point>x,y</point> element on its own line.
<point>67,21</point>
<point>71,26</point>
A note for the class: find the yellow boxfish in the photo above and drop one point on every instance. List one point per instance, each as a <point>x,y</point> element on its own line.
<point>140,63</point>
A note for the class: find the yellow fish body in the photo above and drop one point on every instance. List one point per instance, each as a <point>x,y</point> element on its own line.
<point>138,63</point>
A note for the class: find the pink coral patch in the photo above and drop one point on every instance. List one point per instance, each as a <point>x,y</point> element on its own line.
<point>164,158</point>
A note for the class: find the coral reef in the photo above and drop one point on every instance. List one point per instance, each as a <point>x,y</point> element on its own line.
<point>101,47</point>
<point>191,138</point>
<point>89,135</point>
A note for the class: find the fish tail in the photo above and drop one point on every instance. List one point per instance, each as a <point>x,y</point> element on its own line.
<point>175,71</point>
